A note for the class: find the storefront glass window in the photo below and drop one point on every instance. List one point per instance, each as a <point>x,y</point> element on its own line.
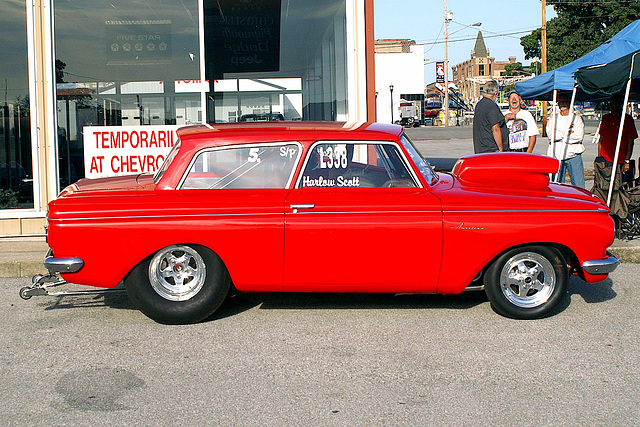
<point>269,57</point>
<point>123,63</point>
<point>16,158</point>
<point>120,63</point>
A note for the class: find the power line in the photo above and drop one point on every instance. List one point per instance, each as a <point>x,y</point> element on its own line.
<point>494,35</point>
<point>433,44</point>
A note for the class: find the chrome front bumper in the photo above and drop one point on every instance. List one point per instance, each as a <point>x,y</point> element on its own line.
<point>600,266</point>
<point>62,265</point>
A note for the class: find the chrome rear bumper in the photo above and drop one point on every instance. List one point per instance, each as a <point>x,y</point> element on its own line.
<point>601,266</point>
<point>62,265</point>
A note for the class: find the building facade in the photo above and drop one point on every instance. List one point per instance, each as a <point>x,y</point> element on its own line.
<point>470,75</point>
<point>97,88</point>
<point>399,75</point>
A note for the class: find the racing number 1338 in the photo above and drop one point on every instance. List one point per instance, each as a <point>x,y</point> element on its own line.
<point>333,157</point>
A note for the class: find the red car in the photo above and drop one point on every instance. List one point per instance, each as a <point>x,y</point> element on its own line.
<point>326,207</point>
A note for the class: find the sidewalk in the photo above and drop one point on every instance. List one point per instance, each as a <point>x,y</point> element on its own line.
<point>23,256</point>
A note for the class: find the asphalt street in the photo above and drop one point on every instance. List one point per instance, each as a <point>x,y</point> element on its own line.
<point>457,141</point>
<point>293,359</point>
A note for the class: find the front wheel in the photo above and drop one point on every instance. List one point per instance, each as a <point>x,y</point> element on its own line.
<point>179,284</point>
<point>527,282</point>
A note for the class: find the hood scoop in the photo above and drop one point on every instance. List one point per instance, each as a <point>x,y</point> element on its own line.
<point>506,170</point>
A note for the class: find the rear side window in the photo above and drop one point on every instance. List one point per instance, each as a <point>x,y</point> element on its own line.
<point>167,162</point>
<point>245,167</point>
<point>355,165</point>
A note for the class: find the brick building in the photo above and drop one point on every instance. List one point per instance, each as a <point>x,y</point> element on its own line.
<point>471,74</point>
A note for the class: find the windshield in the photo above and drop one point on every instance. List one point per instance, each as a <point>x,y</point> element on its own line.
<point>423,166</point>
<point>167,162</point>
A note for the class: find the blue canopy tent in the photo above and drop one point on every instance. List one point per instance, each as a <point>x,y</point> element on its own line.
<point>546,86</point>
<point>542,87</point>
<point>606,79</point>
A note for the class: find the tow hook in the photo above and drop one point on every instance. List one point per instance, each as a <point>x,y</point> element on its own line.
<point>41,283</point>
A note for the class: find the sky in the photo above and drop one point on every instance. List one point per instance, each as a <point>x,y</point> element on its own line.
<point>503,23</point>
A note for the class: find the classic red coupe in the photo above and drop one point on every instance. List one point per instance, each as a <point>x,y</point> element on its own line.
<point>326,207</point>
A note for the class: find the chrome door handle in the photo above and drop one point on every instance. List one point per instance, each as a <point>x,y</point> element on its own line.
<point>302,206</point>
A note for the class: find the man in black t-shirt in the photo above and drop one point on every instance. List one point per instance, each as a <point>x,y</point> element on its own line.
<point>490,133</point>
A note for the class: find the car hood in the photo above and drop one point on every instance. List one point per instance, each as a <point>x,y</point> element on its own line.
<point>115,183</point>
<point>517,181</point>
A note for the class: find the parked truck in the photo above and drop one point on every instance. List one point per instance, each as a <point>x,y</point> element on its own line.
<point>410,114</point>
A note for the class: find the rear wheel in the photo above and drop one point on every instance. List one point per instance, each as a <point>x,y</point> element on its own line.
<point>179,284</point>
<point>527,282</point>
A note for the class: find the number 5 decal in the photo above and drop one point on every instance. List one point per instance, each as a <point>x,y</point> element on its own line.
<point>253,155</point>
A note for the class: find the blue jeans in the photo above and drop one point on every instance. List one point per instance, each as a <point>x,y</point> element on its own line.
<point>575,167</point>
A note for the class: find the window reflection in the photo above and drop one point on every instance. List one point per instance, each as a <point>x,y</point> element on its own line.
<point>123,63</point>
<point>311,56</point>
<point>117,65</point>
<point>16,157</point>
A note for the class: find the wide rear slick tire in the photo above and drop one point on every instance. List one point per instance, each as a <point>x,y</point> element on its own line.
<point>179,284</point>
<point>527,282</point>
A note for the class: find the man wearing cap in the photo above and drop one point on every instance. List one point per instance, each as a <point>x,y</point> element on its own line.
<point>523,129</point>
<point>489,128</point>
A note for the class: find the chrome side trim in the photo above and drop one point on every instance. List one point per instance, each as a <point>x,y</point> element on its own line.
<point>371,212</point>
<point>332,212</point>
<point>163,216</point>
<point>473,288</point>
<point>600,266</point>
<point>63,265</point>
<point>524,211</point>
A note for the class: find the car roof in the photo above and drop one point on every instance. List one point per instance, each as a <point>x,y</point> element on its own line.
<point>220,134</point>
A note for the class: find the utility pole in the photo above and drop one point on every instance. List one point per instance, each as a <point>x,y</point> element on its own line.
<point>543,61</point>
<point>446,67</point>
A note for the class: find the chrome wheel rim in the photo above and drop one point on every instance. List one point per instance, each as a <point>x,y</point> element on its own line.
<point>527,280</point>
<point>177,273</point>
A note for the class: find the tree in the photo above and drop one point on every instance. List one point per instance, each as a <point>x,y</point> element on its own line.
<point>517,69</point>
<point>580,27</point>
<point>513,69</point>
<point>60,66</point>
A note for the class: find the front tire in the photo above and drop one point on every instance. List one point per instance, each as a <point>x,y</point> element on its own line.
<point>179,284</point>
<point>527,282</point>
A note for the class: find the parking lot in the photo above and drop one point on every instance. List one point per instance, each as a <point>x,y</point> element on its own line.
<point>323,359</point>
<point>457,141</point>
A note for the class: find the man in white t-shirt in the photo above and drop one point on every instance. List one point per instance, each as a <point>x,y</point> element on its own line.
<point>523,129</point>
<point>567,146</point>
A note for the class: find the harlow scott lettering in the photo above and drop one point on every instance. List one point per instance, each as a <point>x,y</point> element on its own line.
<point>324,182</point>
<point>317,182</point>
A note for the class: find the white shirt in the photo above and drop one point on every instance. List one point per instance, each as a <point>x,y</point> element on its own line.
<point>521,129</point>
<point>574,146</point>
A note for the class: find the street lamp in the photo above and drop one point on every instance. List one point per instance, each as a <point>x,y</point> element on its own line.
<point>391,90</point>
<point>448,16</point>
<point>376,102</point>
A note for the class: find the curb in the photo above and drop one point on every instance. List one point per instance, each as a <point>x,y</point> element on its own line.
<point>626,254</point>
<point>21,268</point>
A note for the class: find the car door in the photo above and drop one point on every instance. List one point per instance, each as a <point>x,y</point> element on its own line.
<point>358,220</point>
<point>237,195</point>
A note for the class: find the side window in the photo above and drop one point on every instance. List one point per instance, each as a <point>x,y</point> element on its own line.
<point>255,166</point>
<point>355,165</point>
